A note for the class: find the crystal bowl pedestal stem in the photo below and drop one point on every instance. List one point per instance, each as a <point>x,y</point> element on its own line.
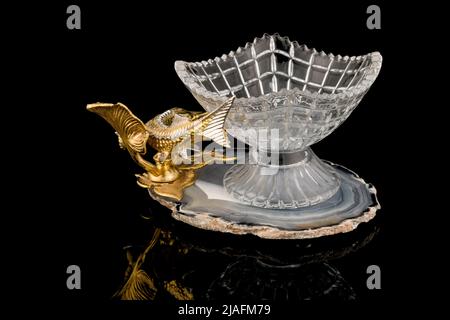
<point>296,179</point>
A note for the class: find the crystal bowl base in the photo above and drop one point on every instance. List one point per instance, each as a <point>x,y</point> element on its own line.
<point>207,205</point>
<point>304,181</point>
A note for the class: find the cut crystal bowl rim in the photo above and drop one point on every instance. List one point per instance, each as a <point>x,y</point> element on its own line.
<point>368,78</point>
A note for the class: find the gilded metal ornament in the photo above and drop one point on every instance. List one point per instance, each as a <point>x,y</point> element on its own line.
<point>166,133</point>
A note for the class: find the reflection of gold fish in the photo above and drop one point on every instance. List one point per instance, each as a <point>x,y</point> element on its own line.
<point>164,132</point>
<point>139,285</point>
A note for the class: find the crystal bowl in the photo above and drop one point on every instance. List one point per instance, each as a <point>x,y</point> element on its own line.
<point>296,96</point>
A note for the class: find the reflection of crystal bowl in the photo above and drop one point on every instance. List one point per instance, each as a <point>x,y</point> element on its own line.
<point>282,85</point>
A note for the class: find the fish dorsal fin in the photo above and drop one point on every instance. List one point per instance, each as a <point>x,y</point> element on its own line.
<point>214,124</point>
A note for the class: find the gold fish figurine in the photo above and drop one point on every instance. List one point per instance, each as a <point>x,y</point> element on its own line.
<point>164,133</point>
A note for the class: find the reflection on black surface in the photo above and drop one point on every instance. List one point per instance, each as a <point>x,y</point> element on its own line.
<point>184,263</point>
<point>251,279</point>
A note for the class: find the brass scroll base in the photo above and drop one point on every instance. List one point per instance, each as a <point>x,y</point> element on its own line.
<point>172,189</point>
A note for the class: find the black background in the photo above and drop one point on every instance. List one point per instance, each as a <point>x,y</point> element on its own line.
<point>125,52</point>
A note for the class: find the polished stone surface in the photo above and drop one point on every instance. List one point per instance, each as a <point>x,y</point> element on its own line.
<point>207,205</point>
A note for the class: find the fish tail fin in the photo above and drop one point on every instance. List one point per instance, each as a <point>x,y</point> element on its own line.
<point>214,124</point>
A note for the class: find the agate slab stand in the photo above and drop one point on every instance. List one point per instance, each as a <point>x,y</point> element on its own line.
<point>207,205</point>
